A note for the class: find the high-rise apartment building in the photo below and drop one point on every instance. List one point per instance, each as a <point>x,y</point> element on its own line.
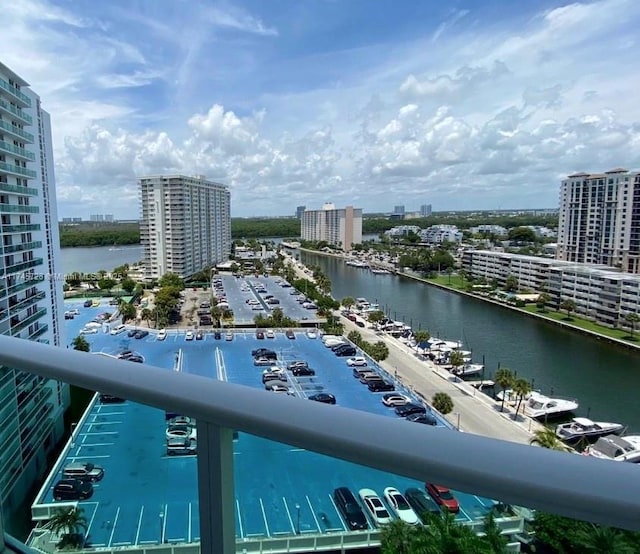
<point>599,220</point>
<point>31,408</point>
<point>425,210</point>
<point>338,227</point>
<point>185,225</point>
<point>398,210</point>
<point>299,211</point>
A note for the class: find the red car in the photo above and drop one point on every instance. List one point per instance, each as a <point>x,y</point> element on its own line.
<point>443,497</point>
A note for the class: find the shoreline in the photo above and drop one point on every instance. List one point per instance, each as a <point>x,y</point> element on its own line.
<point>586,332</point>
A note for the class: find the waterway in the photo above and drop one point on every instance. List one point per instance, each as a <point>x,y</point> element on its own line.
<point>90,260</point>
<point>605,379</point>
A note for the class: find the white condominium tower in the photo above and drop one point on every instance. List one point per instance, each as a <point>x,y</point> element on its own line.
<point>338,227</point>
<point>599,219</point>
<point>185,225</point>
<point>31,408</point>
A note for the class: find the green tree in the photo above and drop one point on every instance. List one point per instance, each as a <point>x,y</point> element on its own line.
<point>421,336</point>
<point>511,284</point>
<point>493,536</point>
<point>522,234</point>
<point>127,311</point>
<point>68,523</point>
<point>397,538</point>
<point>542,301</point>
<point>521,387</point>
<point>81,344</point>
<point>632,319</point>
<point>456,359</point>
<point>546,438</point>
<point>598,539</point>
<point>146,314</point>
<point>442,402</point>
<point>171,280</point>
<point>379,351</point>
<point>128,285</point>
<point>568,305</point>
<point>355,337</point>
<point>504,378</point>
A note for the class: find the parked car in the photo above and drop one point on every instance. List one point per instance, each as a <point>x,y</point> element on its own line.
<point>395,399</point>
<point>350,509</point>
<point>379,385</point>
<point>360,371</point>
<point>400,506</point>
<point>367,376</point>
<point>72,489</point>
<point>87,303</point>
<point>84,471</point>
<point>181,447</point>
<point>189,336</point>
<point>346,351</point>
<point>408,409</point>
<point>276,386</point>
<point>273,376</point>
<point>375,507</point>
<point>290,334</point>
<point>199,335</point>
<point>110,399</point>
<point>297,363</point>
<point>264,353</point>
<point>323,397</point>
<point>217,335</point>
<point>135,358</point>
<point>260,334</point>
<point>303,371</point>
<point>206,320</point>
<point>228,336</point>
<point>140,334</point>
<point>421,503</point>
<point>117,330</point>
<point>130,333</point>
<point>181,421</point>
<point>162,334</point>
<point>426,418</point>
<point>358,361</point>
<point>181,432</point>
<point>443,497</point>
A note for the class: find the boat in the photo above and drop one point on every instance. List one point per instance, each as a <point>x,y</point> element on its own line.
<point>539,406</point>
<point>467,369</point>
<point>378,271</point>
<point>619,449</point>
<point>583,428</point>
<point>356,263</point>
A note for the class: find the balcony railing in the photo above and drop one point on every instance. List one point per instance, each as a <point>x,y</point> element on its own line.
<point>23,228</point>
<point>23,98</point>
<point>16,150</point>
<point>574,486</point>
<point>14,129</point>
<point>17,113</point>
<point>10,168</point>
<point>15,268</point>
<point>27,191</point>
<point>22,246</point>
<point>18,208</point>
<point>28,320</point>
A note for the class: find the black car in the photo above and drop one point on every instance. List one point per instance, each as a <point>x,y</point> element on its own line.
<point>302,371</point>
<point>87,303</point>
<point>380,385</point>
<point>263,353</point>
<point>350,509</point>
<point>346,351</point>
<point>72,489</point>
<point>409,409</point>
<point>290,334</point>
<point>421,503</point>
<point>131,333</point>
<point>323,397</point>
<point>426,419</point>
<point>140,334</point>
<point>206,321</point>
<point>217,335</point>
<point>136,358</point>
<point>110,399</point>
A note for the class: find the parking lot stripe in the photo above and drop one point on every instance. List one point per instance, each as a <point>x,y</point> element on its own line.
<point>264,516</point>
<point>101,433</point>
<point>239,519</point>
<point>286,507</point>
<point>113,527</point>
<point>93,515</point>
<point>189,530</point>
<point>344,526</point>
<point>164,523</point>
<point>465,514</point>
<point>139,525</point>
<point>74,458</point>
<point>87,445</point>
<point>313,513</point>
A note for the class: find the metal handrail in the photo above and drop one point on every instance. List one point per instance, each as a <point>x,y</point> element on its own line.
<point>580,487</point>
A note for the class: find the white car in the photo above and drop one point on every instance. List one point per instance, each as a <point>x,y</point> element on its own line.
<point>189,335</point>
<point>358,361</point>
<point>311,334</point>
<point>400,506</point>
<point>162,334</point>
<point>228,336</point>
<point>181,432</point>
<point>375,507</point>
<point>395,399</point>
<point>117,330</point>
<point>88,331</point>
<point>270,334</point>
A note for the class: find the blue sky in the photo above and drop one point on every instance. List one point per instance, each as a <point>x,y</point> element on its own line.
<point>463,105</point>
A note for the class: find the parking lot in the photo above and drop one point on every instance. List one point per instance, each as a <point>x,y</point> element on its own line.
<point>148,497</point>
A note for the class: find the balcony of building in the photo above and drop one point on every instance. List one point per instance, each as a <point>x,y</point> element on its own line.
<point>16,306</point>
<point>20,266</point>
<point>18,208</point>
<point>15,94</point>
<point>513,473</point>
<point>22,228</point>
<point>14,150</point>
<point>17,170</point>
<point>10,249</point>
<point>18,324</point>
<point>16,131</point>
<point>24,191</point>
<point>17,113</point>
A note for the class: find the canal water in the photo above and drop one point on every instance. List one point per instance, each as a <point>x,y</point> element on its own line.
<point>605,379</point>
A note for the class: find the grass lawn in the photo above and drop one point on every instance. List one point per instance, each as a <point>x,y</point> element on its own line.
<point>453,281</point>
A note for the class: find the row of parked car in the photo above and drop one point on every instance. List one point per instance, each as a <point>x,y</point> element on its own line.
<point>338,345</point>
<point>413,507</point>
<point>181,435</point>
<point>77,481</point>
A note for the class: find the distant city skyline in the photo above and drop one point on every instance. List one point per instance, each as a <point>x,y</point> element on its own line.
<point>471,106</point>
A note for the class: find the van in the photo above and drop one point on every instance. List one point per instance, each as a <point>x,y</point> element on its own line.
<point>330,343</point>
<point>117,329</point>
<point>162,334</point>
<point>350,509</point>
<point>84,471</point>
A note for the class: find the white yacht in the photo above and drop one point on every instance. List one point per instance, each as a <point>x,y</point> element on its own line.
<point>539,406</point>
<point>619,449</point>
<point>467,369</point>
<point>583,428</point>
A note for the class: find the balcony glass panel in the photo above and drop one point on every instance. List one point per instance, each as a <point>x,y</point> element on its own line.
<point>25,191</point>
<point>15,268</point>
<point>17,94</point>
<point>9,168</point>
<point>20,228</point>
<point>21,247</point>
<point>19,114</point>
<point>18,209</point>
<point>29,320</point>
<point>16,150</point>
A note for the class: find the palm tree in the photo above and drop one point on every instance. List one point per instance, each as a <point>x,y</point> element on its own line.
<point>603,540</point>
<point>568,305</point>
<point>347,302</point>
<point>542,301</point>
<point>397,538</point>
<point>493,536</point>
<point>421,336</point>
<point>146,315</point>
<point>70,522</point>
<point>546,438</point>
<point>456,359</point>
<point>504,377</point>
<point>81,344</point>
<point>521,387</point>
<point>442,402</point>
<point>632,319</point>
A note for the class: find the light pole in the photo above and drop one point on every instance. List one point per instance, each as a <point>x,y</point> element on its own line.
<point>297,518</point>
<point>458,421</point>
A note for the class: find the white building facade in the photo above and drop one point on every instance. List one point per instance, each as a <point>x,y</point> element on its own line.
<point>437,234</point>
<point>599,219</point>
<point>600,293</point>
<point>341,227</point>
<point>185,225</point>
<point>31,408</point>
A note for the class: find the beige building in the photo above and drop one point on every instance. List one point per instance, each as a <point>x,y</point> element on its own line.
<point>599,219</point>
<point>341,227</point>
<point>185,225</point>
